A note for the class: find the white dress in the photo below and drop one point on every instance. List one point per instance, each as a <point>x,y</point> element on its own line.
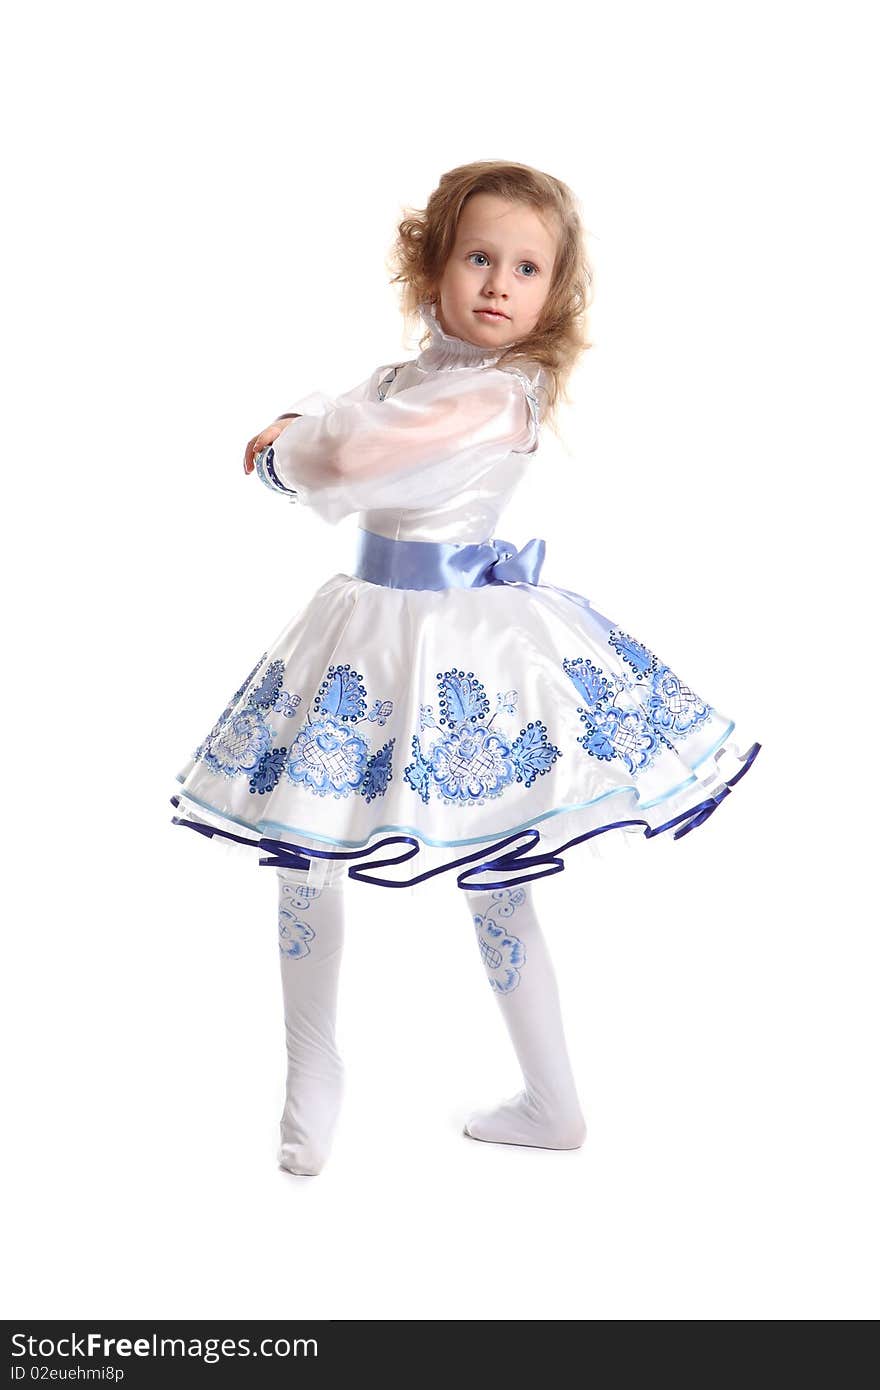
<point>410,717</point>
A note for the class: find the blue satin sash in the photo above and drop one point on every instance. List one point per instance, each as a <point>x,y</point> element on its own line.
<point>451,564</point>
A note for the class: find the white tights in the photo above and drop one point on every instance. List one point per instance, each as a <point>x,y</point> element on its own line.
<point>310,936</point>
<point>545,1114</point>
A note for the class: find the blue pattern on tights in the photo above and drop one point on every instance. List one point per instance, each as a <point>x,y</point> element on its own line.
<point>503,954</point>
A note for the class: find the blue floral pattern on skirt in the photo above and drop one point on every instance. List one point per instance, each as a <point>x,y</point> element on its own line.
<point>327,756</point>
<point>472,758</point>
<point>471,761</point>
<point>632,719</point>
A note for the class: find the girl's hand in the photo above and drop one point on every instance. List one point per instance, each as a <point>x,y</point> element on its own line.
<point>263,440</point>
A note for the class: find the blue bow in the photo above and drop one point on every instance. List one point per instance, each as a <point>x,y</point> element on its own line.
<point>516,566</point>
<point>523,566</point>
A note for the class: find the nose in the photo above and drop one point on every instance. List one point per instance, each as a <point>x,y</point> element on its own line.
<point>496,283</point>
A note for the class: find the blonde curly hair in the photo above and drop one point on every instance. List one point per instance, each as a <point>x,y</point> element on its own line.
<point>426,237</point>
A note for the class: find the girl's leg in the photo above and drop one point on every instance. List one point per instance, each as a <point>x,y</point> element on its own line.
<point>547,1112</point>
<point>310,937</point>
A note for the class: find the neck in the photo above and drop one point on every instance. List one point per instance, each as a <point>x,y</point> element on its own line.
<point>446,350</point>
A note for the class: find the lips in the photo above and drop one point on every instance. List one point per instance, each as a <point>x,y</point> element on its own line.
<point>491,313</point>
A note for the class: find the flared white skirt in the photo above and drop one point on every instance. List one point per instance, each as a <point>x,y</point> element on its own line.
<point>481,731</point>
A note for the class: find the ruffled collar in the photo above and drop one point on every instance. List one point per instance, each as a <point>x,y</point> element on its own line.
<point>445,351</point>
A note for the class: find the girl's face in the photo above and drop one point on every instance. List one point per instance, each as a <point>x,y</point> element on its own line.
<point>502,259</point>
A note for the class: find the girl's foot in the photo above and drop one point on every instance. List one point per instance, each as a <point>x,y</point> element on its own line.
<point>309,1120</point>
<point>521,1121</point>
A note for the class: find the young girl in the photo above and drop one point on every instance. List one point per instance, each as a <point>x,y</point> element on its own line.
<point>439,702</point>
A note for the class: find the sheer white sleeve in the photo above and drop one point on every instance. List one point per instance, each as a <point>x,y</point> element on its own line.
<point>417,448</point>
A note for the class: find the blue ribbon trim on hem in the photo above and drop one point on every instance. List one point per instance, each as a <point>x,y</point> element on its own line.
<point>289,855</point>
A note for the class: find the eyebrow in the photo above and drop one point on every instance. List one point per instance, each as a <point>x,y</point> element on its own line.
<point>484,241</point>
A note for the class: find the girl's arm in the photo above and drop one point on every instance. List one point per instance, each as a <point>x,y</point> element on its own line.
<point>420,447</point>
<point>316,404</point>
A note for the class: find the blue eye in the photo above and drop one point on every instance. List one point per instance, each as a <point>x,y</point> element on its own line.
<point>485,258</point>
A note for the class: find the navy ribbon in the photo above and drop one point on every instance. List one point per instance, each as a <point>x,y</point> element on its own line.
<point>287,854</point>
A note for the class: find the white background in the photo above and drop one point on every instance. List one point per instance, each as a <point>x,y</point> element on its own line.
<point>201,201</point>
